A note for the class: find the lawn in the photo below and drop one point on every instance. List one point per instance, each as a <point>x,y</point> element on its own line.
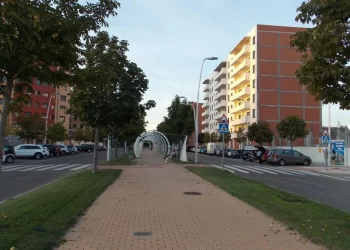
<point>38,220</point>
<point>122,160</point>
<point>321,224</point>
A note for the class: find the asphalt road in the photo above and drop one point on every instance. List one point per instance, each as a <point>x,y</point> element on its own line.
<point>24,175</point>
<point>332,190</point>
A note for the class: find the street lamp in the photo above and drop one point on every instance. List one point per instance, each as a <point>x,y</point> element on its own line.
<point>47,115</point>
<point>196,119</point>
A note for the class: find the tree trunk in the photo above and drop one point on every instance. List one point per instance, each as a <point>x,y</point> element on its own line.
<point>95,159</point>
<point>5,112</point>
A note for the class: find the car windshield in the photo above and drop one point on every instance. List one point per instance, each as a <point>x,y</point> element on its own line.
<point>69,146</point>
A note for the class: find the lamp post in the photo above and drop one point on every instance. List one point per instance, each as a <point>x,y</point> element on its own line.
<point>47,115</point>
<point>196,119</point>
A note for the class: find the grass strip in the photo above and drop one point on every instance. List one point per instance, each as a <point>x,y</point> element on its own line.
<point>320,223</point>
<point>38,220</point>
<point>122,160</point>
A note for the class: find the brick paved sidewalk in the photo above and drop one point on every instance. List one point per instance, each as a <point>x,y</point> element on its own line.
<point>149,198</point>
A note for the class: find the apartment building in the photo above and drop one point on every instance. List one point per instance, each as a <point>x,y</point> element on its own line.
<point>62,105</point>
<point>215,97</point>
<point>262,85</point>
<point>192,139</point>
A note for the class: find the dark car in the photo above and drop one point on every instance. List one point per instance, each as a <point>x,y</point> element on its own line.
<point>53,151</point>
<point>78,149</point>
<point>237,154</point>
<point>252,155</point>
<point>87,147</point>
<point>9,150</point>
<point>245,154</point>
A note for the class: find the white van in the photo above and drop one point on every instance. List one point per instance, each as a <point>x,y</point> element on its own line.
<point>212,147</point>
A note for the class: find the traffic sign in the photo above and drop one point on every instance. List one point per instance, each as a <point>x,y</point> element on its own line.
<point>325,139</point>
<point>223,120</point>
<point>325,132</point>
<point>223,128</point>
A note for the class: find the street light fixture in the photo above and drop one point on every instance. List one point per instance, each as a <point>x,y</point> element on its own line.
<point>196,119</point>
<point>47,115</point>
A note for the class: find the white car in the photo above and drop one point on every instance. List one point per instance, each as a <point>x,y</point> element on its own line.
<point>7,157</point>
<point>31,150</point>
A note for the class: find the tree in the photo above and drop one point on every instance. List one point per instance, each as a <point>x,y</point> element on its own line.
<point>292,128</point>
<point>42,39</point>
<point>57,132</point>
<point>325,48</point>
<point>31,127</point>
<point>241,136</point>
<point>260,132</point>
<point>227,137</point>
<point>79,135</point>
<point>214,137</point>
<point>201,138</point>
<point>206,138</point>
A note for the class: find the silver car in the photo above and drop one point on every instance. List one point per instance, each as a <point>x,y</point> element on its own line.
<point>287,156</point>
<point>72,150</point>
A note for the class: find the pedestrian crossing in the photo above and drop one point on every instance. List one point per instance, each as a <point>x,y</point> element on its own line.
<point>275,171</point>
<point>44,167</point>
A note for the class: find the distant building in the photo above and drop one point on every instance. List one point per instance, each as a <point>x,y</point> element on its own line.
<point>192,139</point>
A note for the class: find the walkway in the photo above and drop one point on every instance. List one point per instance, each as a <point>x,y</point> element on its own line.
<point>149,198</point>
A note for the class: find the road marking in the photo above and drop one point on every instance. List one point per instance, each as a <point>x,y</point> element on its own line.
<point>275,170</point>
<point>308,172</point>
<point>292,171</point>
<point>7,167</point>
<point>69,166</point>
<point>13,169</point>
<point>247,168</point>
<point>331,176</point>
<point>263,170</point>
<point>237,169</point>
<point>220,167</point>
<point>34,167</point>
<point>81,167</point>
<point>55,166</point>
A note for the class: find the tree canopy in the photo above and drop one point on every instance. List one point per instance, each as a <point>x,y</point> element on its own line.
<point>260,132</point>
<point>325,71</point>
<point>56,132</point>
<point>292,128</point>
<point>241,136</point>
<point>31,127</point>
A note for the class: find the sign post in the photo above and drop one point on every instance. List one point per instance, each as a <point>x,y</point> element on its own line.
<point>223,130</point>
<point>327,140</point>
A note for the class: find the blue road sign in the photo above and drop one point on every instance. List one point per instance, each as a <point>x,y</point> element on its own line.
<point>223,128</point>
<point>325,139</point>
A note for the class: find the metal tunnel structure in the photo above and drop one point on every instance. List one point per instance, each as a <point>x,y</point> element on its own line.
<point>158,140</point>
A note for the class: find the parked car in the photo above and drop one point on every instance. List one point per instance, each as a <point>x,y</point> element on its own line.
<point>287,156</point>
<point>8,149</point>
<point>237,154</point>
<point>72,150</point>
<point>189,148</point>
<point>263,157</point>
<point>64,149</point>
<point>8,157</point>
<point>53,149</point>
<point>78,149</point>
<point>213,147</point>
<point>31,150</point>
<point>245,154</point>
<point>263,154</point>
<point>87,147</point>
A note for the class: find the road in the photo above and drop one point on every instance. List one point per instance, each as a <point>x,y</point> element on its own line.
<point>24,175</point>
<point>332,190</point>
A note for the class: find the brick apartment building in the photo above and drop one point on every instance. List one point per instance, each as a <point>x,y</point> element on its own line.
<point>262,86</point>
<point>192,139</point>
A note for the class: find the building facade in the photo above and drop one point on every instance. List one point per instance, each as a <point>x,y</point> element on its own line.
<point>192,139</point>
<point>263,85</point>
<point>215,97</point>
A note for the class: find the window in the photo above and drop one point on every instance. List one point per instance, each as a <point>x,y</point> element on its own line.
<point>254,54</point>
<point>44,105</point>
<point>43,116</point>
<point>29,104</point>
<point>34,104</point>
<point>65,88</point>
<point>253,69</point>
<point>45,94</point>
<point>254,84</point>
<point>253,98</point>
<point>52,117</point>
<point>37,82</point>
<point>288,152</point>
<point>253,40</point>
<point>74,125</point>
<point>52,106</point>
<point>296,153</point>
<point>37,93</point>
<point>63,98</point>
<point>26,114</point>
<point>253,113</point>
<point>62,108</point>
<point>62,118</point>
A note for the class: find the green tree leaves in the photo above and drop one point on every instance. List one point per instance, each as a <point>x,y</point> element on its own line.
<point>260,132</point>
<point>31,127</point>
<point>241,136</point>
<point>326,50</point>
<point>57,132</point>
<point>292,128</point>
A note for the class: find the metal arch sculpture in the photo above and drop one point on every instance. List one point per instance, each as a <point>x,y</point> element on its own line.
<point>159,140</point>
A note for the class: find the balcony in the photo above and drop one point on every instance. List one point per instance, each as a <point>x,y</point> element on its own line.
<point>220,95</point>
<point>206,96</point>
<point>206,88</point>
<point>206,104</point>
<point>220,105</point>
<point>244,52</point>
<point>244,120</point>
<point>205,122</point>
<point>220,85</point>
<point>221,74</point>
<point>243,79</point>
<point>245,92</point>
<point>243,106</point>
<point>205,113</point>
<point>244,65</point>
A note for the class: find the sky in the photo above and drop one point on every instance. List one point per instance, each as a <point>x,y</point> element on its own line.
<point>170,38</point>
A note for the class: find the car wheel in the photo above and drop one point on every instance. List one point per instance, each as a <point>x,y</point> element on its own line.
<point>89,150</point>
<point>63,153</point>
<point>282,162</point>
<point>38,156</point>
<point>10,159</point>
<point>57,154</point>
<point>306,162</point>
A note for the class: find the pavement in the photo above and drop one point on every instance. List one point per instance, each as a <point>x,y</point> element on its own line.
<point>25,175</point>
<point>146,208</point>
<point>330,188</point>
